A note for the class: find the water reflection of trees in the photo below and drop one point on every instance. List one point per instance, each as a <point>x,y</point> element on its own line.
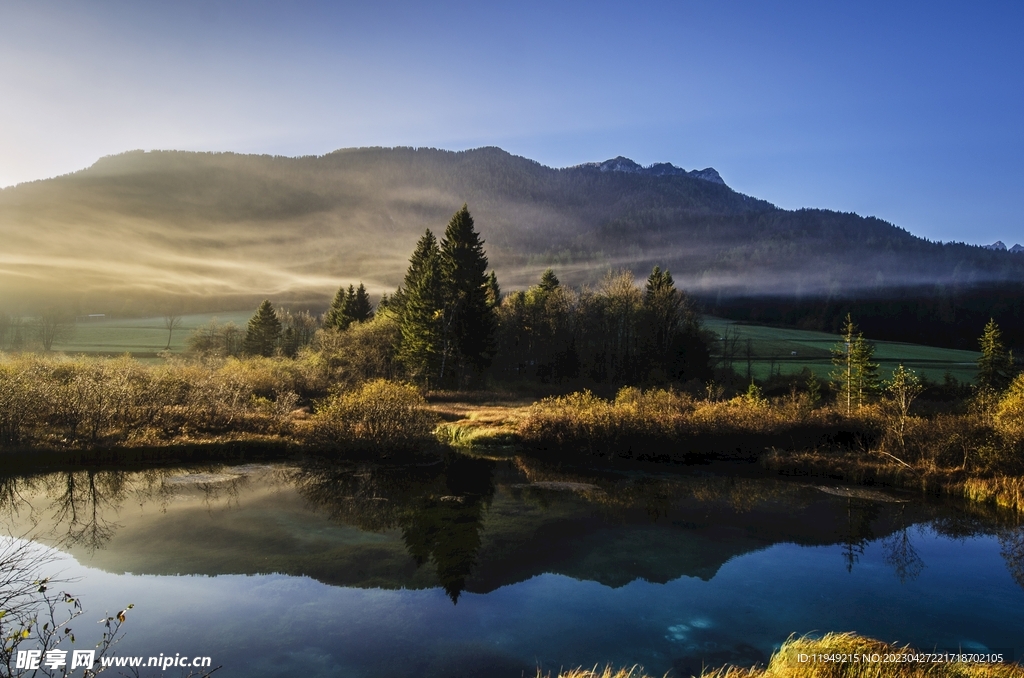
<point>439,508</point>
<point>899,553</point>
<point>82,505</point>
<point>1011,548</point>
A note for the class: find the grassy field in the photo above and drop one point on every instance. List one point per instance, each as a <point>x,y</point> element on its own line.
<point>142,337</point>
<point>789,351</point>
<point>784,350</point>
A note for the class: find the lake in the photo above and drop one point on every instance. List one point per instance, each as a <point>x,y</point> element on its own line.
<point>467,567</point>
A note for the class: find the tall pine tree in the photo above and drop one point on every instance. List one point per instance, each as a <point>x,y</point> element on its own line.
<point>361,308</point>
<point>469,321</point>
<point>426,247</point>
<point>420,309</point>
<point>339,315</point>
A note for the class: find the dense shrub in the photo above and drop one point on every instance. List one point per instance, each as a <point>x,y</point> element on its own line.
<point>92,401</point>
<point>363,352</point>
<point>1009,415</point>
<point>379,415</point>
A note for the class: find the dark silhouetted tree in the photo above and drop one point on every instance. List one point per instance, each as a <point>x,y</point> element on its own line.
<point>172,321</point>
<point>361,310</point>
<point>339,315</point>
<point>54,326</point>
<point>672,335</point>
<point>469,322</point>
<point>263,331</point>
<point>548,281</point>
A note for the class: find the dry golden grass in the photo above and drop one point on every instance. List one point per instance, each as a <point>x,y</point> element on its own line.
<point>1005,491</point>
<point>606,672</point>
<point>489,423</point>
<point>796,659</point>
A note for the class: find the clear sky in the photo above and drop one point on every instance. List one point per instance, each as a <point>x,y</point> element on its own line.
<point>911,112</point>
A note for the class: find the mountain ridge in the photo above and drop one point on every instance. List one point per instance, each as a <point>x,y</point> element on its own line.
<point>232,227</point>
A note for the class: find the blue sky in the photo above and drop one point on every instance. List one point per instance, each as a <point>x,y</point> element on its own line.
<point>911,112</point>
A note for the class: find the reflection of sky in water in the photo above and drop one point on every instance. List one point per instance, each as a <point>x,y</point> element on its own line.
<point>279,625</point>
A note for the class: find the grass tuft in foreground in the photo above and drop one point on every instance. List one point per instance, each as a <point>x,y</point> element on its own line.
<point>786,663</point>
<point>606,672</point>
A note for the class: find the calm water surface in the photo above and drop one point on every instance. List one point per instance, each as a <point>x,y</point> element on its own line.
<point>469,567</point>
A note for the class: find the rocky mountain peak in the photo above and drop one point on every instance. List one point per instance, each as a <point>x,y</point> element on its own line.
<point>658,169</point>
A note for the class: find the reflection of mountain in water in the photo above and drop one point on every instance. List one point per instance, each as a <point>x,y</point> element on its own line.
<point>462,524</point>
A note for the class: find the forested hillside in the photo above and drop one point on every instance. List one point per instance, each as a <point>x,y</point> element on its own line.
<point>225,229</point>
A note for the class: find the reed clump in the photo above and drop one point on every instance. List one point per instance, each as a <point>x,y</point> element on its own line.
<point>660,422</point>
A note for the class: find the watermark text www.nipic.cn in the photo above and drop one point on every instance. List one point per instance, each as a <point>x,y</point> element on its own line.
<point>56,659</point>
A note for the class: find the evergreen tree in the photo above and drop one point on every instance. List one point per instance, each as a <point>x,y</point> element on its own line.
<point>856,380</point>
<point>842,358</point>
<point>361,310</point>
<point>469,321</point>
<point>548,281</point>
<point>426,247</point>
<point>339,315</point>
<point>661,304</point>
<point>672,333</point>
<point>995,366</point>
<point>866,371</point>
<point>263,332</point>
<point>493,291</point>
<point>290,342</point>
<point>422,315</point>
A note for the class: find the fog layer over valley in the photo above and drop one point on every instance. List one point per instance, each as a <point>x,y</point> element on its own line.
<point>223,230</point>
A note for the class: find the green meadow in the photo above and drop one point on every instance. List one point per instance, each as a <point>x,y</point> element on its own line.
<point>786,351</point>
<point>142,337</point>
<point>790,351</point>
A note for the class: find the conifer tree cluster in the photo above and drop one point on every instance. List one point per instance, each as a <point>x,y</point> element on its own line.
<point>349,306</point>
<point>446,306</point>
<point>619,333</point>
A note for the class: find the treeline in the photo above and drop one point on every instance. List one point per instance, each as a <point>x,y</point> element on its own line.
<point>934,315</point>
<point>449,326</point>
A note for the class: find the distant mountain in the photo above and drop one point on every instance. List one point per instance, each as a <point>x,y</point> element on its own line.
<point>1017,249</point>
<point>997,246</point>
<point>136,228</point>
